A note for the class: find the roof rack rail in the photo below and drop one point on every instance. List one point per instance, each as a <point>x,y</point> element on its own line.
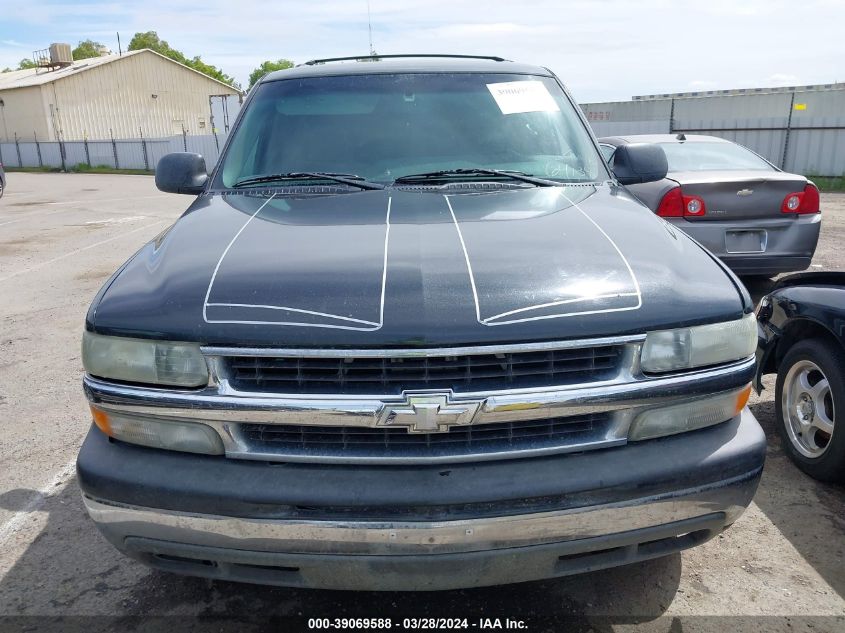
<point>314,62</point>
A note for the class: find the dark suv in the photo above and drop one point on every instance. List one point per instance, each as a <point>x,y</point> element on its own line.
<point>412,333</point>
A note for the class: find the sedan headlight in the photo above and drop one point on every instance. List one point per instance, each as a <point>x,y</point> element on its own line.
<point>144,361</point>
<point>699,346</point>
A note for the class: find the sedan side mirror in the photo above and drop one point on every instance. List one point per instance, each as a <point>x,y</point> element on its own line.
<point>181,172</point>
<point>639,162</point>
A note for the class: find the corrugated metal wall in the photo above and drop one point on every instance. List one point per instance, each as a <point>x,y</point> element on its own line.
<point>141,94</point>
<point>22,113</point>
<point>802,132</point>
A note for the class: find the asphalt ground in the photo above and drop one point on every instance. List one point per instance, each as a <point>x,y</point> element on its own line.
<point>780,567</point>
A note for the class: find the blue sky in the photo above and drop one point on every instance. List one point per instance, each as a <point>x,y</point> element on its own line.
<point>605,50</point>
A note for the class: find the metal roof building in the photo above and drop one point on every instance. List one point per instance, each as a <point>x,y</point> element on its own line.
<point>114,96</point>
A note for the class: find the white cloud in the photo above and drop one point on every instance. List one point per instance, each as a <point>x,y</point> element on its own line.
<point>702,84</point>
<point>780,79</point>
<point>487,30</point>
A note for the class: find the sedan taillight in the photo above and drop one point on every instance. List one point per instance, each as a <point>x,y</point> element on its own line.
<point>694,205</point>
<point>672,204</point>
<point>802,202</point>
<point>675,204</point>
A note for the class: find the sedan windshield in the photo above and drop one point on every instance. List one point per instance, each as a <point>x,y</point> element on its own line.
<point>382,127</point>
<point>712,156</point>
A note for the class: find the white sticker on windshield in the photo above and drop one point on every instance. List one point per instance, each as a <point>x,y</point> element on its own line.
<point>513,97</point>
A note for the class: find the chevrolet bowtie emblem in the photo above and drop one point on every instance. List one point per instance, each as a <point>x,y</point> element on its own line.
<point>429,413</point>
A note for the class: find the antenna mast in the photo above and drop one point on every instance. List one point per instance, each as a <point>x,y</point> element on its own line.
<point>370,28</point>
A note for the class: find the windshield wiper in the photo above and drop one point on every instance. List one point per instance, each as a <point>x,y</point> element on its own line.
<point>346,179</point>
<point>501,173</point>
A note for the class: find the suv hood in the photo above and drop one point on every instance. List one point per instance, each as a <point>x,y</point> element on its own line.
<point>399,267</point>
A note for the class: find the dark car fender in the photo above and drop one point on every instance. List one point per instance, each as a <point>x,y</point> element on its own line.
<point>795,312</point>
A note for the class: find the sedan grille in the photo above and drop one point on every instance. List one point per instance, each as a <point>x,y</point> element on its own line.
<point>393,375</point>
<point>380,443</point>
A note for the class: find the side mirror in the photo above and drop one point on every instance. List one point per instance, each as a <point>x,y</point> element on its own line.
<point>181,172</point>
<point>639,162</point>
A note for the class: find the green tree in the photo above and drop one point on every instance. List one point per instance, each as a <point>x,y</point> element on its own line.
<point>152,41</point>
<point>86,49</point>
<point>268,67</point>
<point>26,64</point>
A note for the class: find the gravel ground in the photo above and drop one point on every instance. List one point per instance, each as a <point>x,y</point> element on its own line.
<point>62,235</point>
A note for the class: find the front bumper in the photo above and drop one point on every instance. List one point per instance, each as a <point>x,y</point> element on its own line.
<point>420,527</point>
<point>789,245</point>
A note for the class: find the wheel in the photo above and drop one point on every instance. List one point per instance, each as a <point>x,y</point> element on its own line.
<point>1,187</point>
<point>809,392</point>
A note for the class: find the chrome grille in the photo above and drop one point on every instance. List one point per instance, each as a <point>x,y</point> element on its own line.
<point>393,375</point>
<point>379,443</point>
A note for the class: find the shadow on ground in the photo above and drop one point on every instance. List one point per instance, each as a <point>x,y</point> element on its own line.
<point>809,514</point>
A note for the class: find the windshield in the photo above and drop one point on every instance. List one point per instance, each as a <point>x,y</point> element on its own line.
<point>712,156</point>
<point>382,127</point>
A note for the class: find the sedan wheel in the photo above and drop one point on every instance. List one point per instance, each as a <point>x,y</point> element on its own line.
<point>809,392</point>
<point>808,408</point>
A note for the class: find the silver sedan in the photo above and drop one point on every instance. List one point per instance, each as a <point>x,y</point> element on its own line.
<point>758,219</point>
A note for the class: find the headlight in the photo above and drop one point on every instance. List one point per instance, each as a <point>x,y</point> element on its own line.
<point>144,361</point>
<point>689,416</point>
<point>191,437</point>
<point>698,346</point>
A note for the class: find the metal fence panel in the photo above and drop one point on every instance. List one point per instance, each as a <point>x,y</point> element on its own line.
<point>9,155</point>
<point>819,109</point>
<point>627,111</point>
<point>51,155</point>
<point>732,112</point>
<point>816,152</point>
<point>621,128</point>
<point>156,148</point>
<point>206,146</point>
<point>29,154</point>
<point>75,154</point>
<point>130,154</point>
<point>802,132</point>
<point>101,153</point>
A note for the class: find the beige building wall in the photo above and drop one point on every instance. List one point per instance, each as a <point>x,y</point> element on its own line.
<point>23,113</point>
<point>141,92</point>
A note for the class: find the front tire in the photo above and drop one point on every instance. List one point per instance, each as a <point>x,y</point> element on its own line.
<point>809,396</point>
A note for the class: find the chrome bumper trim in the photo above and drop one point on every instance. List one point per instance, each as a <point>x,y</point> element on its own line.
<point>118,523</point>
